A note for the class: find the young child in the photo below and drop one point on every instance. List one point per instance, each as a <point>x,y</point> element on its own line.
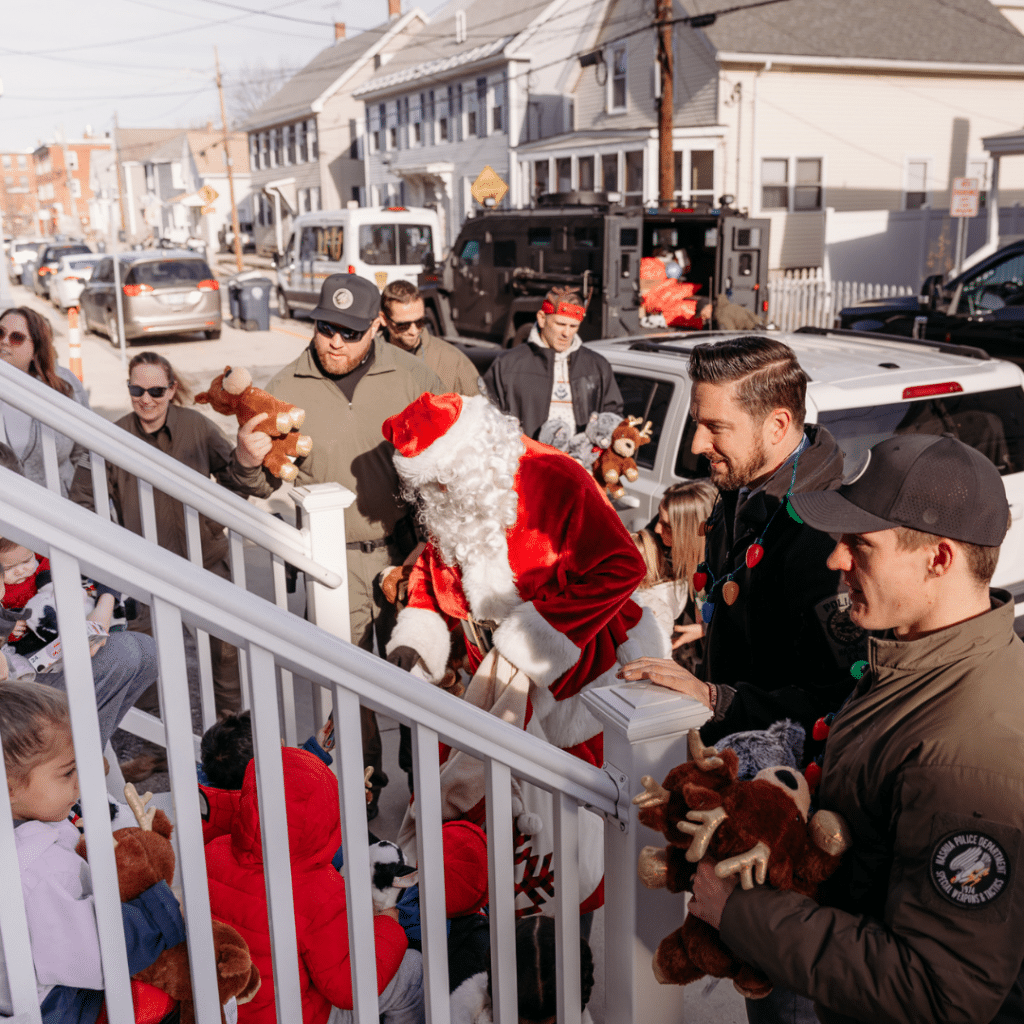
<point>225,751</point>
<point>42,781</point>
<point>535,973</point>
<point>665,596</point>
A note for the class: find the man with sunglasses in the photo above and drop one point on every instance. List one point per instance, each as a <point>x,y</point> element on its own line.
<point>349,380</point>
<point>402,308</point>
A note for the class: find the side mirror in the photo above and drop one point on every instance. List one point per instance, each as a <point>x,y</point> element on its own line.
<point>429,264</point>
<point>931,291</point>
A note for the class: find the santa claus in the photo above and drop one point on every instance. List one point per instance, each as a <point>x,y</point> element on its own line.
<point>525,556</point>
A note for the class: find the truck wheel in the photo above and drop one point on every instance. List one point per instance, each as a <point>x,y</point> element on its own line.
<point>432,323</point>
<point>284,311</point>
<point>522,333</point>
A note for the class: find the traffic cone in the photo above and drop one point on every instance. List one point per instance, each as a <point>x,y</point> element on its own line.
<point>74,343</point>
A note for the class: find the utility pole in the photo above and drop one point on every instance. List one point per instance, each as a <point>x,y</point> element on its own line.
<point>227,161</point>
<point>666,161</point>
<point>120,191</point>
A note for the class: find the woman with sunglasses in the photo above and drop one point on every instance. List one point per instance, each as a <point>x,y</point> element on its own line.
<point>26,343</point>
<point>159,418</point>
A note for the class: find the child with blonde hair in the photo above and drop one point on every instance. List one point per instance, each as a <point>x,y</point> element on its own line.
<point>42,781</point>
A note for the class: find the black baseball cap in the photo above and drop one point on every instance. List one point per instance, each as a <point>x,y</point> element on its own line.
<point>934,484</point>
<point>348,301</point>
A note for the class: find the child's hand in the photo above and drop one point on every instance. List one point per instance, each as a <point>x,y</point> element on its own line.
<point>325,737</point>
<point>687,634</point>
<point>19,629</point>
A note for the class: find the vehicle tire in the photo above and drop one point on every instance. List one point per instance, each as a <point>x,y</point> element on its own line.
<point>112,332</point>
<point>284,311</point>
<point>522,333</point>
<point>432,325</point>
<point>212,335</point>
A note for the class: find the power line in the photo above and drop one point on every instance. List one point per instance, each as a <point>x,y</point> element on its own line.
<point>270,14</point>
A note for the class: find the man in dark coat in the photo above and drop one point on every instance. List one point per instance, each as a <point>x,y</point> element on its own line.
<point>553,375</point>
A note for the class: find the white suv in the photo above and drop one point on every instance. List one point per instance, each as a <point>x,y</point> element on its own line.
<point>862,388</point>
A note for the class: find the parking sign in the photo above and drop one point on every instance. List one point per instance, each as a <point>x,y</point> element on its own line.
<point>963,201</point>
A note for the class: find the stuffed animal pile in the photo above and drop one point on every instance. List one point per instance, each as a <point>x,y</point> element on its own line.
<point>144,856</point>
<point>757,829</point>
<point>232,393</point>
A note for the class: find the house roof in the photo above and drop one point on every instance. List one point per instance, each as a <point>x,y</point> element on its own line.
<point>954,31</point>
<point>490,28</point>
<point>134,144</point>
<point>208,152</point>
<point>299,94</point>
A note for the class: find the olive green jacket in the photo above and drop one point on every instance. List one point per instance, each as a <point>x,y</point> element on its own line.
<point>456,370</point>
<point>348,447</point>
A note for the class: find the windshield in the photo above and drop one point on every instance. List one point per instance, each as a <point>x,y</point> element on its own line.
<point>55,252</point>
<point>82,264</point>
<point>166,273</point>
<point>990,421</point>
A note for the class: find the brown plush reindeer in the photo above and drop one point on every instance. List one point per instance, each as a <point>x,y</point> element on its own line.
<point>616,462</point>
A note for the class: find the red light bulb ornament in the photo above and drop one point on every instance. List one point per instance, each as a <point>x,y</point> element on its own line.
<point>812,773</point>
<point>754,554</point>
<point>700,581</point>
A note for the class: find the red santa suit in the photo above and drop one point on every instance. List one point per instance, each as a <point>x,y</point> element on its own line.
<point>559,592</point>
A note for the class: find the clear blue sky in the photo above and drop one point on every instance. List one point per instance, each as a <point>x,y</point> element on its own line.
<point>67,64</point>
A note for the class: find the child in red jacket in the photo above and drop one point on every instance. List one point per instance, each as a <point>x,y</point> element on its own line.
<point>238,896</point>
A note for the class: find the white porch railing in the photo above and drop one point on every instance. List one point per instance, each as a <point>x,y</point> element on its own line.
<point>802,298</point>
<point>312,549</point>
<point>76,542</point>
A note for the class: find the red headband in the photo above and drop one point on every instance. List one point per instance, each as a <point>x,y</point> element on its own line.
<point>576,313</point>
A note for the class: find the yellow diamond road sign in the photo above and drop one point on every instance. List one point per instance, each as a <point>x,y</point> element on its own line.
<point>207,194</point>
<point>488,185</point>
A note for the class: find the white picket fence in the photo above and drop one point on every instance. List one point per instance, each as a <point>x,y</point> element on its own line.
<point>799,298</point>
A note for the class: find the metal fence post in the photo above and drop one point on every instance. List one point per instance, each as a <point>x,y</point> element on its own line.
<point>645,730</point>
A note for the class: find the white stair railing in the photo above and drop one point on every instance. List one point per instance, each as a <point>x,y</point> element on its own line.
<point>179,592</point>
<point>245,523</point>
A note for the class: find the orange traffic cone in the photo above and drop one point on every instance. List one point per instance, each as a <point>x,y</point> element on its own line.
<point>75,343</point>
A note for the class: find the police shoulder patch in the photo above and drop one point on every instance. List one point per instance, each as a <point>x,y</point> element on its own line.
<point>969,869</point>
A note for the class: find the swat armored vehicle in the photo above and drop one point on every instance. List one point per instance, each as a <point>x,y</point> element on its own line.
<point>493,281</point>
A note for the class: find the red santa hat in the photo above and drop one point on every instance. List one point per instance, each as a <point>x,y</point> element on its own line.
<point>431,429</point>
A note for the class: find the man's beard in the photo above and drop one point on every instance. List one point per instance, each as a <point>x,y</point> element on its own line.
<point>732,475</point>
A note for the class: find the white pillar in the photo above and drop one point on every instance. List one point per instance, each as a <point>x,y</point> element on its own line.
<point>645,730</point>
<point>993,205</point>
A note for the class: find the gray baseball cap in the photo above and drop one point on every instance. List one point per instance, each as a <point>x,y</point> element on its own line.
<point>934,484</point>
<point>348,301</point>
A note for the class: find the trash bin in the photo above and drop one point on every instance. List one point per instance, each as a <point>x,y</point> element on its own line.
<point>234,294</point>
<point>254,303</point>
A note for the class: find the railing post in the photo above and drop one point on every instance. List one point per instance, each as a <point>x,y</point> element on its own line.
<point>645,729</point>
<point>322,517</point>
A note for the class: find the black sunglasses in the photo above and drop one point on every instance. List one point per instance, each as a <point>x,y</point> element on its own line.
<point>330,330</point>
<point>404,325</point>
<point>137,391</point>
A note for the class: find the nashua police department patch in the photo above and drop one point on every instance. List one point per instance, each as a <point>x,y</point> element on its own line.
<point>969,869</point>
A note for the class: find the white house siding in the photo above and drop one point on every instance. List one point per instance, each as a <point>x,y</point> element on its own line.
<point>865,127</point>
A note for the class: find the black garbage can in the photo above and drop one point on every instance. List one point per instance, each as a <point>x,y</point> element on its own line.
<point>254,303</point>
<point>234,292</point>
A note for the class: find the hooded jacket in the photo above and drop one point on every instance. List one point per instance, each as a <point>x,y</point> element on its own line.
<point>238,895</point>
<point>785,647</point>
<point>924,920</point>
<point>519,382</point>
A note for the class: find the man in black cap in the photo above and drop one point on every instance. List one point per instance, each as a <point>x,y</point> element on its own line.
<point>924,920</point>
<point>349,383</point>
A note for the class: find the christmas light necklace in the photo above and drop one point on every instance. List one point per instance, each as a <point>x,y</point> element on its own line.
<point>823,726</point>
<point>729,588</point>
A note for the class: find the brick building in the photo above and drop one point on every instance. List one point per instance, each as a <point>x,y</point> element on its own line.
<point>62,185</point>
<point>18,193</point>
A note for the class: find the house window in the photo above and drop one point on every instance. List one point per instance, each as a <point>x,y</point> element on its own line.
<point>6,159</point>
<point>22,161</point>
<point>314,145</point>
<point>481,106</point>
<point>585,172</point>
<point>635,177</point>
<point>563,173</point>
<point>774,184</point>
<point>300,143</point>
<point>702,175</point>
<point>471,123</point>
<point>916,194</point>
<point>540,177</point>
<point>617,83</point>
<point>150,178</point>
<point>807,189</point>
<point>428,117</point>
<point>457,112</point>
<point>442,129</point>
<point>254,152</point>
<point>393,137</point>
<point>417,134</point>
<point>9,180</point>
<point>290,130</point>
<point>24,181</point>
<point>498,110</point>
<point>265,149</point>
<point>610,172</point>
<point>72,160</point>
<point>276,134</point>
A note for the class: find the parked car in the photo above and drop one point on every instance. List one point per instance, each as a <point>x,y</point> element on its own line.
<point>67,282</point>
<point>984,306</point>
<point>22,251</point>
<point>48,261</point>
<point>381,244</point>
<point>862,388</point>
<point>163,292</point>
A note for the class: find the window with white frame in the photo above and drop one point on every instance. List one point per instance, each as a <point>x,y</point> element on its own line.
<point>22,160</point>
<point>774,183</point>
<point>540,178</point>
<point>6,159</point>
<point>563,174</point>
<point>694,176</point>
<point>254,153</point>
<point>314,144</point>
<point>634,191</point>
<point>498,107</point>
<point>807,183</point>
<point>481,106</point>
<point>585,173</point>
<point>76,188</point>
<point>617,79</point>
<point>289,148</point>
<point>265,150</point>
<point>610,172</point>
<point>72,160</point>
<point>915,195</point>
<point>792,183</point>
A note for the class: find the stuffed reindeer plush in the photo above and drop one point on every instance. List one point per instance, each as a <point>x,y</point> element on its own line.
<point>144,856</point>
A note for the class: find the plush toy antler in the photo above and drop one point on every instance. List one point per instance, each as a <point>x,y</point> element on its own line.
<point>138,805</point>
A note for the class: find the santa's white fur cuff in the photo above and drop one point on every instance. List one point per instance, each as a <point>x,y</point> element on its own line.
<point>533,645</point>
<point>427,634</point>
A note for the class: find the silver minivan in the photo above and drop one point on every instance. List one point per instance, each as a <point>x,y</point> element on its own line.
<point>382,244</point>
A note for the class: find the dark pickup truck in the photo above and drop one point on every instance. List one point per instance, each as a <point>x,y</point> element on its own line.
<point>983,307</point>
